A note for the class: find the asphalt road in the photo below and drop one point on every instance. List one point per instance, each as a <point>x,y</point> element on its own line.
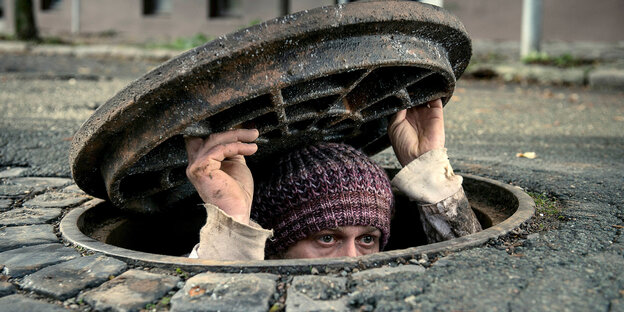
<point>576,135</point>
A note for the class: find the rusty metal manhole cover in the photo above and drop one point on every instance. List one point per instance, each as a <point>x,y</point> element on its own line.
<point>332,73</point>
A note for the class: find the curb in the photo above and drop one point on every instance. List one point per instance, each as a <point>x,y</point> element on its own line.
<point>96,51</point>
<point>598,77</point>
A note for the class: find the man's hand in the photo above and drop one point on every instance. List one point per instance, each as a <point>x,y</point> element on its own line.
<point>416,131</point>
<point>217,169</point>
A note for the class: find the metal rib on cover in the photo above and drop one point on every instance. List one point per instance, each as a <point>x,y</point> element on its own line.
<point>328,74</point>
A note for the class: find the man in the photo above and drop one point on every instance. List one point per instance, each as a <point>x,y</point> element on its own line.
<point>325,206</point>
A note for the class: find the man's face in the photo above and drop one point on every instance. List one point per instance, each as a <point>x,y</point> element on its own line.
<point>344,241</point>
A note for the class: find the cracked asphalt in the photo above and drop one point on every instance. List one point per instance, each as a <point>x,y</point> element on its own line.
<point>576,133</point>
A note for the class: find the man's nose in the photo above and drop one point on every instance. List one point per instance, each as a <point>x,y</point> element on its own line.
<point>349,250</point>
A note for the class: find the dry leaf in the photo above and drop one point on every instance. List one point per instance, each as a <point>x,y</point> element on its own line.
<point>529,155</point>
<point>196,291</point>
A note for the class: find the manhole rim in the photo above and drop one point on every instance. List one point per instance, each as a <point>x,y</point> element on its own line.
<point>70,232</point>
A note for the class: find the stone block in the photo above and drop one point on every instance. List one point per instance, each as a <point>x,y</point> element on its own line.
<point>387,288</point>
<point>19,236</point>
<point>25,185</point>
<point>56,200</point>
<point>73,189</point>
<point>384,272</point>
<point>67,279</point>
<point>6,288</point>
<point>5,204</point>
<point>25,260</point>
<point>225,292</point>
<point>317,293</point>
<point>27,216</point>
<point>41,183</point>
<point>20,303</point>
<point>130,291</point>
<point>12,172</point>
<point>607,78</point>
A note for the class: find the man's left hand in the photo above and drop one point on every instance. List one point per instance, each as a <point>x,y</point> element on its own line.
<point>417,130</point>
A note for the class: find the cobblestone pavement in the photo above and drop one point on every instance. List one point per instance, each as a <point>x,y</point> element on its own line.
<point>573,264</point>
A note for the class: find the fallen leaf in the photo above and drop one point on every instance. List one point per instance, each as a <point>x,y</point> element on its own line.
<point>529,155</point>
<point>618,226</point>
<point>196,291</point>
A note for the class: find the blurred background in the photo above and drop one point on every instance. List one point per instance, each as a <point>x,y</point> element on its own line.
<point>141,21</point>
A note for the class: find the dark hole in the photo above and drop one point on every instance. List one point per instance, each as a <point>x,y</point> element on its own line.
<point>173,233</point>
<point>380,83</point>
<point>275,134</point>
<point>382,108</point>
<point>177,174</point>
<point>428,88</point>
<point>140,183</point>
<point>262,122</point>
<point>314,107</point>
<point>301,125</point>
<point>328,122</point>
<point>320,87</point>
<point>238,113</point>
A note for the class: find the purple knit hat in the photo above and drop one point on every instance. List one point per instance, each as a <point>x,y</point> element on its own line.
<point>322,186</point>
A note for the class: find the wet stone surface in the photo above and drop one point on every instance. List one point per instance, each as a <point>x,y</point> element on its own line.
<point>6,288</point>
<point>21,261</point>
<point>317,293</point>
<point>387,289</point>
<point>225,292</point>
<point>19,303</point>
<point>28,216</point>
<point>64,280</point>
<point>28,235</point>
<point>26,185</point>
<point>130,291</point>
<point>12,172</point>
<point>5,204</point>
<point>54,199</point>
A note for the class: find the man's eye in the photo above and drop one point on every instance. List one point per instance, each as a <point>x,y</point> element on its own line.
<point>326,239</point>
<point>368,239</point>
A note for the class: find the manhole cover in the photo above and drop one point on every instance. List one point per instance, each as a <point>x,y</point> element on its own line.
<point>328,74</point>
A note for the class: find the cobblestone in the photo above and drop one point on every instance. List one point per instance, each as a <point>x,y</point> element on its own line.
<point>27,185</point>
<point>25,260</point>
<point>605,78</point>
<point>20,303</point>
<point>73,189</point>
<point>130,291</point>
<point>27,235</point>
<point>387,289</point>
<point>27,216</point>
<point>67,279</point>
<point>317,293</point>
<point>55,199</point>
<point>5,204</point>
<point>225,292</point>
<point>6,288</point>
<point>12,172</point>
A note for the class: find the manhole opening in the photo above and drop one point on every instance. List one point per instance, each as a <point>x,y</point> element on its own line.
<point>175,231</point>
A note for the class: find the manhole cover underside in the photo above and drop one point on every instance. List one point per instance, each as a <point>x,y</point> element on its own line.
<point>493,200</point>
<point>329,74</point>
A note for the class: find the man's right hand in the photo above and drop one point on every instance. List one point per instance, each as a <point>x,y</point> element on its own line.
<point>217,169</point>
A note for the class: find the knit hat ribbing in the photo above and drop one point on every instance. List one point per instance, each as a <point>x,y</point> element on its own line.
<point>318,187</point>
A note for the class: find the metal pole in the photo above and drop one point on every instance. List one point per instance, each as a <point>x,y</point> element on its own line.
<point>75,17</point>
<point>531,27</point>
<point>439,3</point>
